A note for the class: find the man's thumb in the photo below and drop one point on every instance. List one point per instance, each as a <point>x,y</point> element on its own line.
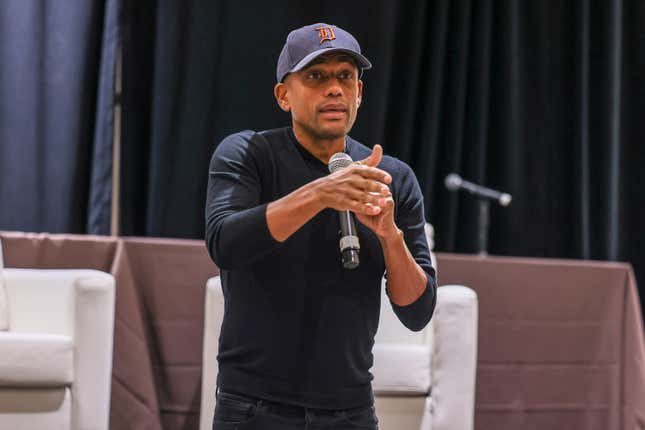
<point>375,156</point>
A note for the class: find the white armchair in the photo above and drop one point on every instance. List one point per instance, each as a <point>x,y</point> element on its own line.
<point>422,380</point>
<point>426,380</point>
<point>213,316</point>
<point>55,349</point>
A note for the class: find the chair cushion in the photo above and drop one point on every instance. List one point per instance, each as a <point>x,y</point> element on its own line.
<point>35,360</point>
<point>401,369</point>
<point>4,316</point>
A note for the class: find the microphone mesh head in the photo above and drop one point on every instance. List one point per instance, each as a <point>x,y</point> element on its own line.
<point>338,161</point>
<point>505,199</point>
<point>453,181</point>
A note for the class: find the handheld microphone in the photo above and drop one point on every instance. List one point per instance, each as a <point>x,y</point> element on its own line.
<point>454,182</point>
<point>349,244</point>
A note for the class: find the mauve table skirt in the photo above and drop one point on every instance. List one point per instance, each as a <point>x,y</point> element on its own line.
<point>561,343</point>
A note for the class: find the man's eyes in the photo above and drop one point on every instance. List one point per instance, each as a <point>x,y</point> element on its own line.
<point>319,76</point>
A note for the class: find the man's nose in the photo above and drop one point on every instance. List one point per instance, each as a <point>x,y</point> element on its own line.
<point>334,88</point>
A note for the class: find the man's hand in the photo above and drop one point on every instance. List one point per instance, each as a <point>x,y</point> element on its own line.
<point>381,222</point>
<point>360,188</point>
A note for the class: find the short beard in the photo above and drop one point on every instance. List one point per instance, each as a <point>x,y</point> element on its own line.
<point>321,135</point>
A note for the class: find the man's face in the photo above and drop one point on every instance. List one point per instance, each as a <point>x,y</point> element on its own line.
<point>323,98</point>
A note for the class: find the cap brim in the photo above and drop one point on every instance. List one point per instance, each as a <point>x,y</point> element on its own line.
<point>363,62</point>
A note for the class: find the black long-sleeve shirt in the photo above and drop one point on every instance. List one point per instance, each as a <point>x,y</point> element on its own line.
<point>298,328</point>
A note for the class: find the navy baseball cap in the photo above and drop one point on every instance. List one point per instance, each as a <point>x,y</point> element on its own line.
<point>304,44</point>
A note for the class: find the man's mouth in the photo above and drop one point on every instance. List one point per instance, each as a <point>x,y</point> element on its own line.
<point>333,110</point>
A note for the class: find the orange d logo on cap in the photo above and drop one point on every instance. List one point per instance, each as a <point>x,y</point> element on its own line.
<point>302,47</point>
<point>325,33</point>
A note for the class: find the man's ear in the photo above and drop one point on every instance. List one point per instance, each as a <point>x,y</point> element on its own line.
<point>281,96</point>
<point>359,93</point>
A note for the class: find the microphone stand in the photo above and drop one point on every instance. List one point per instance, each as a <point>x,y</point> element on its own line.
<point>482,226</point>
<point>483,196</point>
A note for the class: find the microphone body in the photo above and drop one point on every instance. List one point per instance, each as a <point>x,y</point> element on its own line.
<point>454,182</point>
<point>349,244</point>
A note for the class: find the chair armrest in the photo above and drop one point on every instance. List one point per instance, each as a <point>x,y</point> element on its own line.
<point>213,316</point>
<point>78,304</point>
<point>43,301</point>
<point>455,358</point>
<point>4,320</point>
<point>93,350</point>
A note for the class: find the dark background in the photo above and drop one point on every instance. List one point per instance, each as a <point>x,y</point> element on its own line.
<point>542,99</point>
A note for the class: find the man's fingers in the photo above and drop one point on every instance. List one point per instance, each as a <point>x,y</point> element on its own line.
<point>374,158</point>
<point>370,198</point>
<point>372,173</point>
<point>372,209</point>
<point>364,208</point>
<point>372,186</point>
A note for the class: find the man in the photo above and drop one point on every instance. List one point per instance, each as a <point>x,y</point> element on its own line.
<point>296,340</point>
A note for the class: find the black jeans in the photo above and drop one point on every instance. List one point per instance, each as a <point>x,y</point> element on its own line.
<point>237,412</point>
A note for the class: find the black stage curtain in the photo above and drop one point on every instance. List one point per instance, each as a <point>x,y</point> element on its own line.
<point>543,99</point>
<point>56,96</point>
